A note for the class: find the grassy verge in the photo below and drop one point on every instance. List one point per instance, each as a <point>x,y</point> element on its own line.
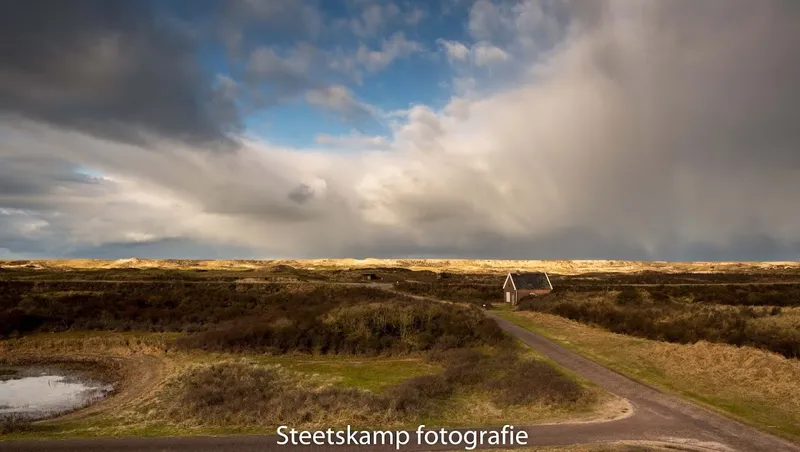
<point>756,386</point>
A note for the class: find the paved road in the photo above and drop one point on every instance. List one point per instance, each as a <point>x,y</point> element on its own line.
<point>657,417</point>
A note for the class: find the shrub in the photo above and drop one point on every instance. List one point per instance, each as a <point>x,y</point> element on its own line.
<point>629,296</point>
<point>373,328</point>
<point>675,322</point>
<point>236,394</point>
<point>14,423</point>
<point>417,394</point>
<point>532,381</point>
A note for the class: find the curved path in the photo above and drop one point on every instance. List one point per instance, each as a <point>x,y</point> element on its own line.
<point>657,417</point>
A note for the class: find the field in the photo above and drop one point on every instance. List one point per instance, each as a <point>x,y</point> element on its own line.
<point>210,354</point>
<point>244,346</point>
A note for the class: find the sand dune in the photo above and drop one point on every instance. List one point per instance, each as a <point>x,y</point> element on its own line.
<point>451,265</point>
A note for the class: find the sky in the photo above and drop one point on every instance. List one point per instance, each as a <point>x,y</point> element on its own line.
<point>528,129</point>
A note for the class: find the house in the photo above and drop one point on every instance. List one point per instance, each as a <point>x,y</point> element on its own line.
<point>370,276</point>
<point>520,285</point>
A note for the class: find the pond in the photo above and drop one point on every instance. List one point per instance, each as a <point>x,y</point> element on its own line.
<point>35,393</point>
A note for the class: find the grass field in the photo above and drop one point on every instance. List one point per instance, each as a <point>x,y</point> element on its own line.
<point>193,342</point>
<point>207,357</point>
<point>756,386</point>
<point>351,383</point>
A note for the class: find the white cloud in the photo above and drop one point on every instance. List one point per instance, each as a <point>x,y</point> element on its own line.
<point>481,53</point>
<point>374,18</point>
<point>395,47</point>
<point>340,99</point>
<point>485,18</point>
<point>486,54</point>
<point>526,25</point>
<point>354,140</point>
<point>455,50</point>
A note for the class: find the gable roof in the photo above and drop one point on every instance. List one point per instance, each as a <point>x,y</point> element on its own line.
<point>508,279</point>
<point>529,281</point>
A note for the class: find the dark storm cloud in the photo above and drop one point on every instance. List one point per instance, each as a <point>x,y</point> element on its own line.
<point>108,67</point>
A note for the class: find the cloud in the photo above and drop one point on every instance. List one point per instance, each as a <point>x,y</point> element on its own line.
<point>109,69</point>
<point>485,19</point>
<point>339,99</point>
<point>648,130</point>
<point>455,50</point>
<point>487,54</point>
<point>286,22</point>
<point>274,78</point>
<point>354,140</point>
<point>379,16</point>
<point>391,49</point>
<point>415,16</point>
<point>374,18</point>
<point>526,25</point>
<point>481,53</point>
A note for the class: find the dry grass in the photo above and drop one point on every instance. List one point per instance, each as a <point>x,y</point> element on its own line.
<point>632,312</point>
<point>322,390</point>
<point>758,386</point>
<point>108,343</point>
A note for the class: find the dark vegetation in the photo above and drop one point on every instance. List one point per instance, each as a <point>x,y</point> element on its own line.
<point>734,295</point>
<point>234,393</point>
<point>318,317</point>
<point>272,317</point>
<point>278,273</point>
<point>478,294</point>
<point>661,317</point>
<point>163,306</point>
<point>652,277</point>
<point>14,423</point>
<point>786,294</point>
<point>396,326</point>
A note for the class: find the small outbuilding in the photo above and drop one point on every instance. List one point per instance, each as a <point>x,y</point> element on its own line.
<point>370,276</point>
<point>520,285</point>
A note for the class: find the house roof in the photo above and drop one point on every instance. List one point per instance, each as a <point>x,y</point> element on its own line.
<point>530,281</point>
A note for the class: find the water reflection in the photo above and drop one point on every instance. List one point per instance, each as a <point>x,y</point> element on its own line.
<point>47,394</point>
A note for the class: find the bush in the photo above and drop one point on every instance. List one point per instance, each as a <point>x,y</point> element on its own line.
<point>163,306</point>
<point>240,394</point>
<point>417,394</point>
<point>675,322</point>
<point>533,381</point>
<point>629,296</point>
<point>477,294</point>
<point>233,394</point>
<point>374,328</point>
<point>14,423</point>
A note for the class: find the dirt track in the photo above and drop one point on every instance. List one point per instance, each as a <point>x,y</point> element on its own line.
<point>657,417</point>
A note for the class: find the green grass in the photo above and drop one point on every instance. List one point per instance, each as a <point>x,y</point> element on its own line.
<point>756,387</point>
<point>373,374</point>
